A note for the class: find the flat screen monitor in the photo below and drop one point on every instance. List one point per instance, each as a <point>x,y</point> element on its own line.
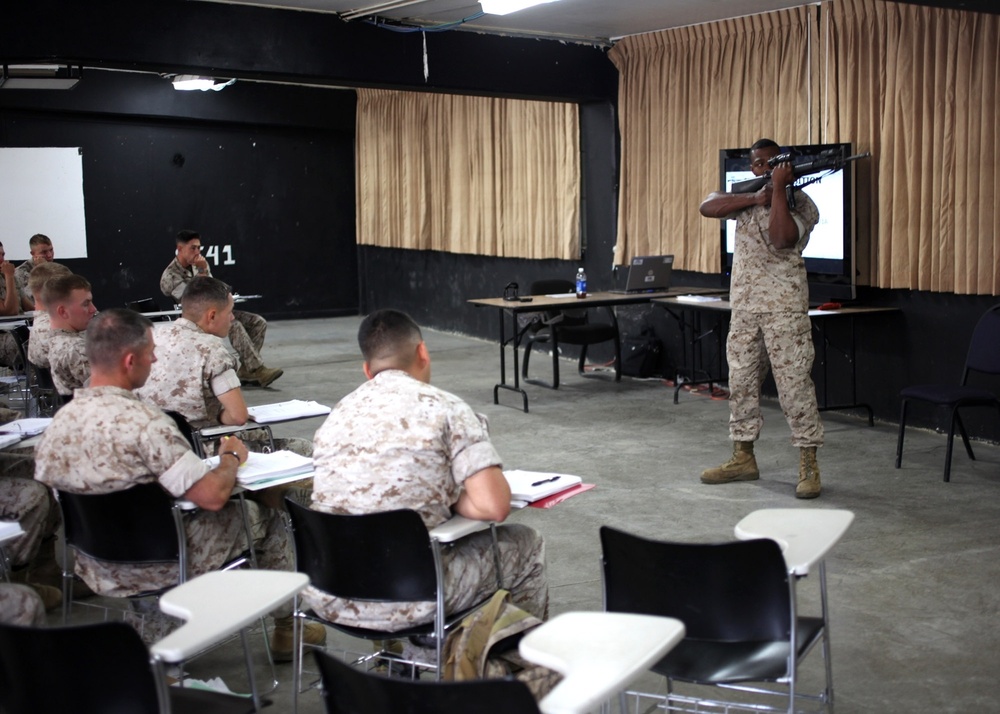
<point>829,256</point>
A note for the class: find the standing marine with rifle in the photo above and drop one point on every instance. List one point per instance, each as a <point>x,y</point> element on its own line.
<point>770,317</point>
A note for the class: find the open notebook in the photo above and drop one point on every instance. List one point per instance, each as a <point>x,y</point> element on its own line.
<point>261,470</point>
<point>531,486</point>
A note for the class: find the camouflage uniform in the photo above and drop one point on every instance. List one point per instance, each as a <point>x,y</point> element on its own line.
<point>41,337</point>
<point>68,360</point>
<point>192,368</point>
<point>396,442</point>
<point>20,605</point>
<point>770,322</point>
<point>21,275</point>
<point>28,502</point>
<point>107,440</point>
<point>247,331</point>
<point>10,355</point>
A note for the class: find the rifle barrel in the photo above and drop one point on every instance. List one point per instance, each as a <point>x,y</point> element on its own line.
<point>810,167</point>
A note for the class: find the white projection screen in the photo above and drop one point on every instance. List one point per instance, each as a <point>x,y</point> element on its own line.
<point>41,191</point>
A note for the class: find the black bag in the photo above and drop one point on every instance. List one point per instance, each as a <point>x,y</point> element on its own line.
<point>641,355</point>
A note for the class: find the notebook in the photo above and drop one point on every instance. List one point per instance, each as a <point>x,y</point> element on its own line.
<point>531,486</point>
<point>648,273</point>
<point>262,470</point>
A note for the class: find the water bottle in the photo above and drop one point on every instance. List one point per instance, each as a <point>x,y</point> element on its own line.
<point>581,283</point>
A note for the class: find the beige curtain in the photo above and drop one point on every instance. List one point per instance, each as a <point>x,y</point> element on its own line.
<point>918,85</point>
<point>686,93</point>
<point>487,176</point>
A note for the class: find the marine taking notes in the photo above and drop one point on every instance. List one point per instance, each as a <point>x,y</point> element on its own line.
<point>530,486</point>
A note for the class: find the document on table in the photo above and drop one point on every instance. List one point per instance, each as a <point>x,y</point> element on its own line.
<point>25,427</point>
<point>699,298</point>
<point>263,470</point>
<point>562,295</point>
<point>286,411</point>
<point>531,486</point>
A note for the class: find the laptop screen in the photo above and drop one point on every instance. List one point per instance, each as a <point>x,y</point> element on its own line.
<point>649,273</point>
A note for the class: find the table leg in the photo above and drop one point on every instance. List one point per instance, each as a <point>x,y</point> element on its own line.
<point>851,355</point>
<point>515,343</point>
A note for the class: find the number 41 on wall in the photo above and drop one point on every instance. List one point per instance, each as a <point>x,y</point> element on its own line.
<point>212,253</point>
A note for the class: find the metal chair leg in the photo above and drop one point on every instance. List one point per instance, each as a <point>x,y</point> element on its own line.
<point>899,439</point>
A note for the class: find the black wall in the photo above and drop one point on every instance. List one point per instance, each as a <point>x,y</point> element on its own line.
<point>268,172</point>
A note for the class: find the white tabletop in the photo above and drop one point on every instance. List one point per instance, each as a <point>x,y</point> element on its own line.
<point>598,653</point>
<point>218,604</point>
<point>9,530</point>
<point>804,534</point>
<point>457,527</point>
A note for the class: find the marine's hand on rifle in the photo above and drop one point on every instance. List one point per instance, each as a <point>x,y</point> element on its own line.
<point>763,196</point>
<point>783,174</point>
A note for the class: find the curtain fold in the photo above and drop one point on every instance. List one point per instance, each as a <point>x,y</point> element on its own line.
<point>919,86</point>
<point>688,92</point>
<point>486,176</point>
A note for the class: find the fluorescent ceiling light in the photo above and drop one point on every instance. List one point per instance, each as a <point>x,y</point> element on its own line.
<point>190,81</point>
<point>39,76</point>
<point>505,7</point>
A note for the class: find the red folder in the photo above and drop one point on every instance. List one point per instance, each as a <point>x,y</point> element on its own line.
<point>550,501</point>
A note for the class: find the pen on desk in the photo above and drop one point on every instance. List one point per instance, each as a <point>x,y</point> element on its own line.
<point>545,480</point>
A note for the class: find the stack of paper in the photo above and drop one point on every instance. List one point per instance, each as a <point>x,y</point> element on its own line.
<point>9,440</point>
<point>531,486</point>
<point>261,469</point>
<point>286,411</point>
<point>25,427</point>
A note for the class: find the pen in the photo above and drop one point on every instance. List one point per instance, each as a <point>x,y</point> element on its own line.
<point>545,480</point>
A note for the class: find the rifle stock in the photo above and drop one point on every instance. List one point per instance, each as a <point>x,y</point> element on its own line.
<point>824,163</point>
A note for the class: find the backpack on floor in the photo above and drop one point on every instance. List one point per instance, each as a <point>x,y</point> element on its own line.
<point>641,354</point>
<point>484,646</point>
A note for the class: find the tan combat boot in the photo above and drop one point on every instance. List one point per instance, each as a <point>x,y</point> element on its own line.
<point>265,375</point>
<point>808,486</point>
<point>282,640</point>
<point>741,467</point>
<point>51,597</point>
<point>246,375</point>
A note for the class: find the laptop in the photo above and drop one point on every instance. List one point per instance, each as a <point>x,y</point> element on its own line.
<point>647,274</point>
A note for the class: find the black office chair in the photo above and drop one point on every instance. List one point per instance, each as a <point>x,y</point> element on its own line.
<point>47,398</point>
<point>736,603</point>
<point>347,690</point>
<point>571,327</point>
<point>383,557</point>
<point>139,525</point>
<point>101,667</point>
<point>983,357</point>
<point>20,334</point>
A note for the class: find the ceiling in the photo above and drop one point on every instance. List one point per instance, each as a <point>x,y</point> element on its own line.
<point>591,21</point>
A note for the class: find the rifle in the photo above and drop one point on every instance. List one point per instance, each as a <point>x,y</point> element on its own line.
<point>830,160</point>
